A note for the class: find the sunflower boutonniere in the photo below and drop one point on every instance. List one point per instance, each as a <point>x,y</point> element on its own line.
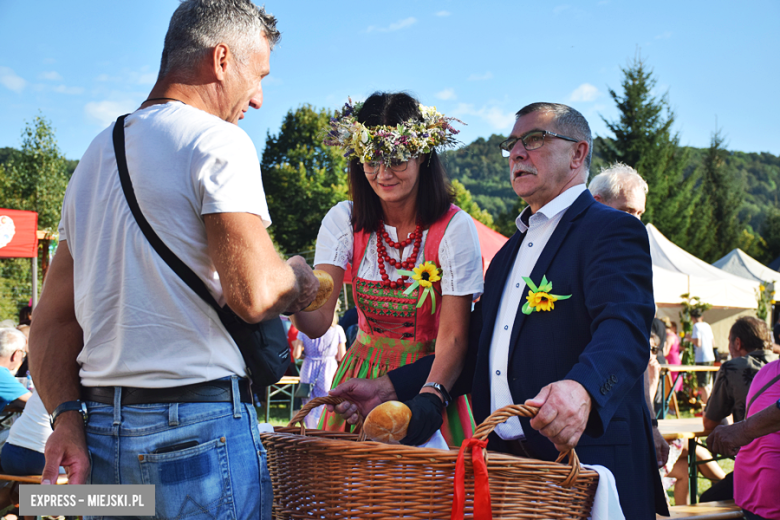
<point>423,275</point>
<point>539,298</point>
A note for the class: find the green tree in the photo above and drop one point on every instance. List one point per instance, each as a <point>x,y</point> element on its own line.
<point>505,223</point>
<point>484,172</point>
<point>722,195</point>
<point>643,139</point>
<point>464,201</point>
<point>771,233</point>
<point>36,178</point>
<point>33,178</point>
<point>302,177</point>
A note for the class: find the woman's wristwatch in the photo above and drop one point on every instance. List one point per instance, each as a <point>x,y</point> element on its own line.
<point>445,395</point>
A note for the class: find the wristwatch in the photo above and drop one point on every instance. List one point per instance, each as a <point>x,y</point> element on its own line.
<point>70,406</point>
<point>442,391</point>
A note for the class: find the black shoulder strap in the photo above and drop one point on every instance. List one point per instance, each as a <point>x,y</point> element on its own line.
<point>763,389</point>
<point>173,261</point>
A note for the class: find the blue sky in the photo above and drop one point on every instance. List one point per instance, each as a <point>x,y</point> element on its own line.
<point>84,62</point>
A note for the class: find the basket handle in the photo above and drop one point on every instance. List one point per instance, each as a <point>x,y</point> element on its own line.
<point>520,410</point>
<point>319,401</point>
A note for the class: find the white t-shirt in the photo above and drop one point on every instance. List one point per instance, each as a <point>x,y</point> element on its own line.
<point>460,257</point>
<point>703,331</point>
<point>32,429</point>
<point>142,325</point>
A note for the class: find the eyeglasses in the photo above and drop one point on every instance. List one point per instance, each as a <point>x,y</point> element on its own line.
<point>531,141</point>
<point>396,165</point>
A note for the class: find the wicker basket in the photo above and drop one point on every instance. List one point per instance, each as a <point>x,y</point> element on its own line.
<point>337,475</point>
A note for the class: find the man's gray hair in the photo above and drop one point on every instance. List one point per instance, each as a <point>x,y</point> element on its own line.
<point>567,121</point>
<point>617,178</point>
<point>11,340</point>
<point>197,26</point>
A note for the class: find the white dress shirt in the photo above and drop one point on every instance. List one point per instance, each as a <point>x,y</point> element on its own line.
<point>540,228</point>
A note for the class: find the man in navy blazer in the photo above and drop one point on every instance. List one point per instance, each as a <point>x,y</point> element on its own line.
<point>579,359</point>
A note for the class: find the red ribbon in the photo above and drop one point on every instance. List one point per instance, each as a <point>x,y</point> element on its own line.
<point>482,509</point>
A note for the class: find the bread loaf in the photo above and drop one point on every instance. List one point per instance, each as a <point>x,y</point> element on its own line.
<point>388,422</point>
<point>324,292</point>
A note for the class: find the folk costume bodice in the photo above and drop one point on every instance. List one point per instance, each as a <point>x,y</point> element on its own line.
<point>388,312</point>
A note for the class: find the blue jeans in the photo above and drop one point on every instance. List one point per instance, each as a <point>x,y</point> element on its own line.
<point>21,461</point>
<point>210,461</point>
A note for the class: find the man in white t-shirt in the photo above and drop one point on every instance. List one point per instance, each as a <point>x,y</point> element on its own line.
<point>116,321</point>
<point>702,337</point>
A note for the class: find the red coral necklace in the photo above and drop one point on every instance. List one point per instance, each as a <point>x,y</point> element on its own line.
<point>383,236</point>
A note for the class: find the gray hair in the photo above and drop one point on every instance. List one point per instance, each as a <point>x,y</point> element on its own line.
<point>197,26</point>
<point>617,178</point>
<point>11,340</point>
<point>567,121</point>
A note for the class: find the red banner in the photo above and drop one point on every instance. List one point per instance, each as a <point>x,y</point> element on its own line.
<point>18,233</point>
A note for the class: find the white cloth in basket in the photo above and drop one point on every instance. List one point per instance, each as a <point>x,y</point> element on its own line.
<point>436,441</point>
<point>606,504</point>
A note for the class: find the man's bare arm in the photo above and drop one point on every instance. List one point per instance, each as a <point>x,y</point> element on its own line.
<point>55,335</point>
<point>256,282</point>
<point>56,339</point>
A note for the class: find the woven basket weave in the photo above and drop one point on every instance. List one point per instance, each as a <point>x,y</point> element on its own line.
<point>337,475</point>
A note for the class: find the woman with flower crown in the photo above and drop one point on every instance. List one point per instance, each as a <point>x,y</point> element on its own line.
<point>415,257</point>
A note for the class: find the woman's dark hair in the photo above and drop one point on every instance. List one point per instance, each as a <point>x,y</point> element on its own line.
<point>435,192</point>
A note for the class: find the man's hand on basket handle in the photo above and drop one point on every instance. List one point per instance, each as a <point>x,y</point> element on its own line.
<point>361,395</point>
<point>564,407</point>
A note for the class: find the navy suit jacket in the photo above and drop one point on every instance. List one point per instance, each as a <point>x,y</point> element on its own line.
<point>598,337</point>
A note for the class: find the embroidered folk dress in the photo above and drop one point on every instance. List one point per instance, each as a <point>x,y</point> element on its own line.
<point>392,331</point>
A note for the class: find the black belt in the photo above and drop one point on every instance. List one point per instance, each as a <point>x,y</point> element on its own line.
<point>219,391</point>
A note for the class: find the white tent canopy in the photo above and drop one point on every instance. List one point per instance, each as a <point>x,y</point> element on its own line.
<point>676,271</point>
<point>738,263</point>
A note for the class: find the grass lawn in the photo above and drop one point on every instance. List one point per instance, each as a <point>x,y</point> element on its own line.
<point>280,413</point>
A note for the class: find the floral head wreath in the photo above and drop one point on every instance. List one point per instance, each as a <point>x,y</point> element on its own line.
<point>387,144</point>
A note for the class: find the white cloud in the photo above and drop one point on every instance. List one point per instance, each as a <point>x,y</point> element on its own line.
<point>495,116</point>
<point>664,36</point>
<point>443,13</point>
<point>561,8</point>
<point>272,80</point>
<point>585,92</point>
<point>401,24</point>
<point>481,77</point>
<point>106,77</point>
<point>10,80</point>
<point>52,75</point>
<point>62,89</point>
<point>446,94</point>
<point>147,79</point>
<point>105,112</point>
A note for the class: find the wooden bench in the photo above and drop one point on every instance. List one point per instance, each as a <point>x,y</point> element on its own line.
<point>706,511</point>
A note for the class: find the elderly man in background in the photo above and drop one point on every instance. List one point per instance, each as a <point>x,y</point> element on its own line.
<point>579,359</point>
<point>620,187</point>
<point>116,321</point>
<point>13,350</point>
